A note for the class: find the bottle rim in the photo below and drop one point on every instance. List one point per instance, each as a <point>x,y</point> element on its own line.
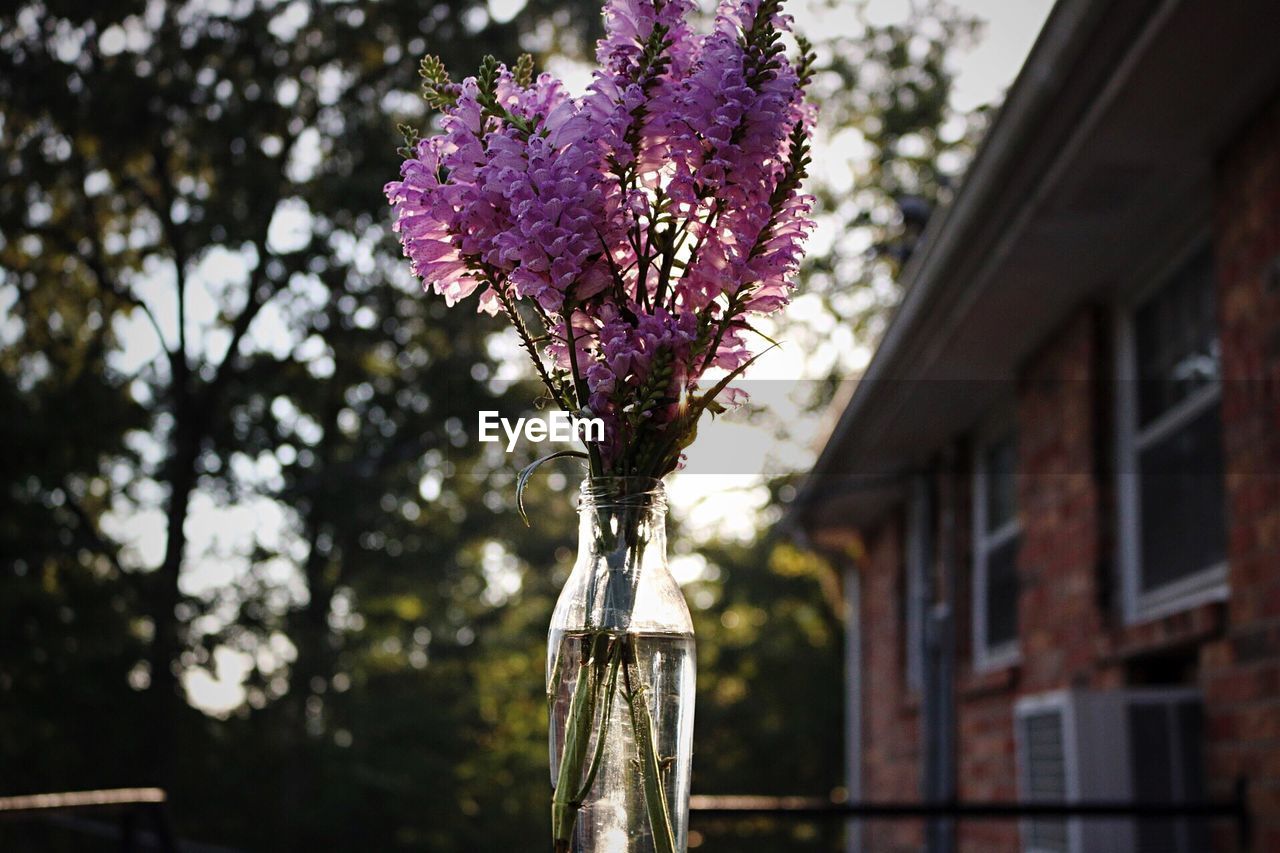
<point>598,492</point>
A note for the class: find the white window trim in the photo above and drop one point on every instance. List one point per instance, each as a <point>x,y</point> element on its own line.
<point>985,657</point>
<point>1210,583</point>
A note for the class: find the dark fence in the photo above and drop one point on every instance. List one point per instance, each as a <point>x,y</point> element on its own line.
<point>815,808</point>
<point>135,818</point>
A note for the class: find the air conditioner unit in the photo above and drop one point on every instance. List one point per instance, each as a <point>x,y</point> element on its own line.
<point>1129,745</point>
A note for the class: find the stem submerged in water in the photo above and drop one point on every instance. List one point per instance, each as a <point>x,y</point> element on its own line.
<point>598,682</point>
<point>655,796</point>
<point>577,736</point>
<point>611,651</point>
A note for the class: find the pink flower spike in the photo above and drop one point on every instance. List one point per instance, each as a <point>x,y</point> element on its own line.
<point>653,215</point>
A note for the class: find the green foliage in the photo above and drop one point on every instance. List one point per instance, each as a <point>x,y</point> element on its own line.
<point>770,706</point>
<point>411,140</point>
<point>437,88</point>
<point>162,343</point>
<point>763,41</point>
<point>487,83</point>
<point>523,71</point>
<point>805,61</point>
<point>895,150</point>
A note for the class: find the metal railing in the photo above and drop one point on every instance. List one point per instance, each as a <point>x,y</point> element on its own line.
<point>137,817</point>
<point>815,808</point>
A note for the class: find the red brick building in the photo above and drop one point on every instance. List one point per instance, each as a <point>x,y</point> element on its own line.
<point>1056,491</point>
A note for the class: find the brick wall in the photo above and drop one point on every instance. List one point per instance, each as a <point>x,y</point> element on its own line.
<point>1241,673</point>
<point>1059,502</point>
<point>987,764</point>
<point>1071,630</point>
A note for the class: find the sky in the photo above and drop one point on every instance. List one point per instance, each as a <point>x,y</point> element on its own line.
<point>987,69</point>
<point>706,503</point>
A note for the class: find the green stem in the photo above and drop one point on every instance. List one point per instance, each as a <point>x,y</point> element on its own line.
<point>580,387</point>
<point>526,340</point>
<point>577,734</point>
<point>655,796</point>
<point>606,713</point>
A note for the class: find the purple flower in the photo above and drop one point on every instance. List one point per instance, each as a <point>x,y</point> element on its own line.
<point>633,231</point>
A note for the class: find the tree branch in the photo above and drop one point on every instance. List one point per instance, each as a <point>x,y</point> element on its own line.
<point>107,283</point>
<point>173,234</point>
<point>94,260</point>
<point>260,293</point>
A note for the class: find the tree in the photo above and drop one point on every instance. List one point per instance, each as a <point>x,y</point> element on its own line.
<point>203,288</point>
<point>770,705</point>
<point>891,150</point>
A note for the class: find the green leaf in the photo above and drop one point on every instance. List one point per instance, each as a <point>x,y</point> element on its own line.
<point>523,71</point>
<point>724,382</point>
<point>437,89</point>
<point>528,470</point>
<point>751,328</point>
<point>411,139</point>
<point>487,84</point>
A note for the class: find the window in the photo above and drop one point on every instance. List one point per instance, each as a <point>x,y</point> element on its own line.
<point>1172,499</point>
<point>996,536</point>
<point>918,558</point>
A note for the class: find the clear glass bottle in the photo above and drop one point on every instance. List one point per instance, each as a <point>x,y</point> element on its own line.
<point>620,681</point>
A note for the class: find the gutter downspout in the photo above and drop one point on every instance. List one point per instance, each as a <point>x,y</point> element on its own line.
<point>942,638</point>
<point>922,585</point>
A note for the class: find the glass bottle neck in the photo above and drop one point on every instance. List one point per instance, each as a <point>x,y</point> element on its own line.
<point>622,543</point>
<point>618,515</point>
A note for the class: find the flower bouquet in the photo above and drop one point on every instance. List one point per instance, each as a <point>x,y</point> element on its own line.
<point>631,236</point>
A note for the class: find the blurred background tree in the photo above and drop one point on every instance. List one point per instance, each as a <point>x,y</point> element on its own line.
<point>885,92</point>
<point>249,550</point>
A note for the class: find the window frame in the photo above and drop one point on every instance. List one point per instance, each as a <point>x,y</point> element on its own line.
<point>986,657</point>
<point>1209,583</point>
